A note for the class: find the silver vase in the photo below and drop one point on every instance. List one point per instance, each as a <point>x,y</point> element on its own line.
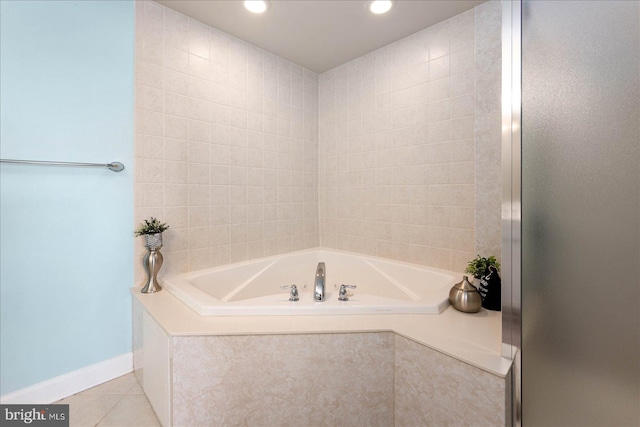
<point>152,261</point>
<point>465,297</point>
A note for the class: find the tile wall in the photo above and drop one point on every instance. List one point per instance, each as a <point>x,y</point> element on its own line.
<point>488,128</point>
<point>226,147</point>
<point>283,380</point>
<point>398,148</point>
<point>433,389</point>
<point>244,154</point>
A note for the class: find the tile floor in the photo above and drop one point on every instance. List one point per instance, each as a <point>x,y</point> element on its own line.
<point>119,402</point>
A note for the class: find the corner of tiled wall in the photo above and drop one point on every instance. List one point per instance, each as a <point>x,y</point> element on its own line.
<point>397,157</point>
<point>226,144</point>
<point>244,154</point>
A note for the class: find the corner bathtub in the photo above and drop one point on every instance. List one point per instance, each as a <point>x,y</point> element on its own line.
<point>255,287</point>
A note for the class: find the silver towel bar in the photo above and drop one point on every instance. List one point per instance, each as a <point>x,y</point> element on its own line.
<point>114,166</point>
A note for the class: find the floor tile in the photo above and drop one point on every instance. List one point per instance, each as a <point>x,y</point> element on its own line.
<point>120,385</point>
<point>88,410</point>
<point>120,402</point>
<point>136,389</point>
<point>133,410</point>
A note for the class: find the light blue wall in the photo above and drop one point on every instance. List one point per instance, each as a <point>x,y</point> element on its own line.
<point>66,253</point>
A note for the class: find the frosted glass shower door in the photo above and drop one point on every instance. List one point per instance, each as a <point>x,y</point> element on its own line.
<point>580,213</point>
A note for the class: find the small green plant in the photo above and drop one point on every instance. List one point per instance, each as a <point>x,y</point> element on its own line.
<point>151,226</point>
<point>479,266</point>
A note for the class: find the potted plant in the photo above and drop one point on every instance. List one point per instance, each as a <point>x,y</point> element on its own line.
<point>487,279</point>
<point>479,266</point>
<point>152,230</point>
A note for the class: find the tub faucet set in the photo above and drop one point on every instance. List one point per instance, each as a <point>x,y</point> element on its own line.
<point>293,294</point>
<point>318,292</point>
<point>342,293</point>
<point>319,287</point>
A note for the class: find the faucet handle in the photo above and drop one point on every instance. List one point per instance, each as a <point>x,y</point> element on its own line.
<point>342,293</point>
<point>293,295</point>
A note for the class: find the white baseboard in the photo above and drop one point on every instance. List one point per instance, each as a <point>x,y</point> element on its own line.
<point>57,388</point>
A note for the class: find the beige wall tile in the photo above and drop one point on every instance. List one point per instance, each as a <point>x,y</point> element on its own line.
<point>488,130</point>
<point>203,91</point>
<point>425,114</point>
<point>407,134</point>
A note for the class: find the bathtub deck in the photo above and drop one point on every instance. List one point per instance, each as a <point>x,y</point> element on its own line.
<point>472,338</point>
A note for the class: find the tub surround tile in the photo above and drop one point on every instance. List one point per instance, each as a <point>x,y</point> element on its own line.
<point>487,127</point>
<point>434,389</point>
<point>423,111</point>
<point>203,99</point>
<point>304,380</point>
<point>430,123</point>
<point>403,370</point>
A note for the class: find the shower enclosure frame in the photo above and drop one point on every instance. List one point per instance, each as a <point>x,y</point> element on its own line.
<point>511,200</point>
<point>562,357</point>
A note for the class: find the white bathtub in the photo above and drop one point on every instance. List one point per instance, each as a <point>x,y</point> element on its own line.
<point>255,287</point>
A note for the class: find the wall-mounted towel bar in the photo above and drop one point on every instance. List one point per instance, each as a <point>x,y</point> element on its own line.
<point>114,166</point>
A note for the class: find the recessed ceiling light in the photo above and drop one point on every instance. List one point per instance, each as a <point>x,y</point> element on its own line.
<point>379,6</point>
<point>256,6</point>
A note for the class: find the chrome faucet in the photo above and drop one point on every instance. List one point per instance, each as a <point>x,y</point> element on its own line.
<point>321,272</point>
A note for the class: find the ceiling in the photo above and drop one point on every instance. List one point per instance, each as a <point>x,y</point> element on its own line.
<point>320,35</point>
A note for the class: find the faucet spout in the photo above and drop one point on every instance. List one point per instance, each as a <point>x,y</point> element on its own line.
<point>318,293</point>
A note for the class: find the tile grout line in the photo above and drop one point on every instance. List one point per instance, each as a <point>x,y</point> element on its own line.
<point>110,410</point>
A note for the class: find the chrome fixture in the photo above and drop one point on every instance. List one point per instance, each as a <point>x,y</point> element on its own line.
<point>342,293</point>
<point>293,295</point>
<point>113,166</point>
<point>321,272</point>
